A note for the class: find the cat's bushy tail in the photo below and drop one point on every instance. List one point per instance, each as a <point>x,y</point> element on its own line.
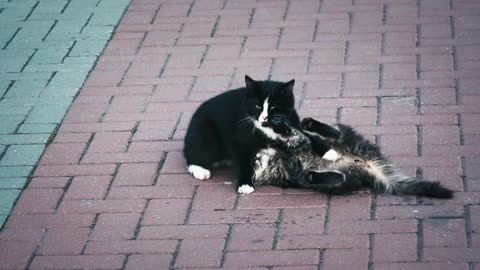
<point>390,180</point>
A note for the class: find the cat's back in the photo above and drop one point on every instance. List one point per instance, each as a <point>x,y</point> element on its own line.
<point>219,113</point>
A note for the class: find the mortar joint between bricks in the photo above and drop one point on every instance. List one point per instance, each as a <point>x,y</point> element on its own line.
<point>190,206</point>
<point>214,29</point>
<point>17,129</point>
<point>11,38</point>
<point>419,240</point>
<point>327,213</point>
<point>138,226</point>
<point>114,174</point>
<point>177,123</point>
<point>175,255</point>
<point>28,60</point>
<point>31,11</point>
<point>92,226</point>
<point>226,245</point>
<point>191,87</point>
<point>190,8</point>
<point>463,174</point>
<point>164,66</point>
<point>87,145</point>
<point>86,22</point>
<point>370,251</point>
<point>468,225</point>
<point>373,205</point>
<point>159,168</point>
<point>120,82</point>
<point>460,129</point>
<point>338,115</point>
<point>302,95</point>
<point>152,21</point>
<point>140,45</point>
<point>204,55</point>
<point>39,244</point>
<point>65,189</point>
<point>250,20</point>
<point>125,261</point>
<point>276,235</point>
<point>49,31</point>
<point>287,8</point>
<point>68,52</point>
<point>65,6</point>
<point>419,140</point>
<point>321,258</point>
<point>457,91</point>
<point>272,64</point>
<point>418,101</point>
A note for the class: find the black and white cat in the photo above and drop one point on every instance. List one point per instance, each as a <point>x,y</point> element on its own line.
<point>299,160</point>
<point>236,124</point>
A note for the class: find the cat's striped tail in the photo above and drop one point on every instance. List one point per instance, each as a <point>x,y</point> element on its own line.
<point>390,180</point>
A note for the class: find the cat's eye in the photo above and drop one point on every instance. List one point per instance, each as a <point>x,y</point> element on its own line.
<point>258,106</point>
<point>273,107</point>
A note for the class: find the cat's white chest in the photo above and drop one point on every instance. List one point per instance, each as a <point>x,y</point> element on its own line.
<point>267,131</point>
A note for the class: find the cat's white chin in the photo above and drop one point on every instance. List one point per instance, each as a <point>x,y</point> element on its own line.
<point>245,189</point>
<point>199,172</point>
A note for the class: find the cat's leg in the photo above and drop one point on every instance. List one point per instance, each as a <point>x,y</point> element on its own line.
<point>333,182</point>
<point>202,149</point>
<point>318,133</point>
<point>242,159</point>
<point>323,148</point>
<point>319,128</point>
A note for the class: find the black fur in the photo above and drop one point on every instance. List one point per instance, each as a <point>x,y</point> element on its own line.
<point>223,127</point>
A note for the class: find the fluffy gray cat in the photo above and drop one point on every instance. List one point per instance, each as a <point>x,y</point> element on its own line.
<point>335,161</point>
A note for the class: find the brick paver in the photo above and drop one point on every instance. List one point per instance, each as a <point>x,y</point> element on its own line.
<point>47,49</point>
<point>112,191</point>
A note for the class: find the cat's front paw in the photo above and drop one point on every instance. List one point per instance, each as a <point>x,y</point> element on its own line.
<point>198,172</point>
<point>245,189</point>
<point>307,123</point>
<point>331,155</point>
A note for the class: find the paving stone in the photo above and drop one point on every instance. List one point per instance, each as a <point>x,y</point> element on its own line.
<point>37,128</point>
<point>12,183</point>
<point>7,199</point>
<point>24,138</point>
<point>20,155</point>
<point>16,110</point>
<point>17,171</point>
<point>47,114</point>
<point>86,48</point>
<point>10,123</point>
<point>26,88</point>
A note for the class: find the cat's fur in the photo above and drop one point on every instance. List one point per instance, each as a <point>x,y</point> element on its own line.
<point>296,161</point>
<point>236,124</point>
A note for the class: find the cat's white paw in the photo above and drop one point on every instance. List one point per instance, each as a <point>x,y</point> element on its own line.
<point>245,189</point>
<point>199,172</point>
<point>331,155</point>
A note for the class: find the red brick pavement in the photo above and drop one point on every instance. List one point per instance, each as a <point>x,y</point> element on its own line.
<point>112,190</point>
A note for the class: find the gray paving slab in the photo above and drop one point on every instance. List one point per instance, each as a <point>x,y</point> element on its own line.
<point>47,49</point>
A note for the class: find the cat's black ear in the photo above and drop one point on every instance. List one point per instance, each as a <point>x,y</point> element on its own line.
<point>288,87</point>
<point>249,82</point>
<point>251,86</point>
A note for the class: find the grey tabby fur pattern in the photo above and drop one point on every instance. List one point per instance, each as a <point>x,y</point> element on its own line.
<point>297,160</point>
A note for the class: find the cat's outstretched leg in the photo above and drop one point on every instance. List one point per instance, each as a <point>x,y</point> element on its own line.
<point>319,128</point>
<point>332,182</point>
<point>318,132</point>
